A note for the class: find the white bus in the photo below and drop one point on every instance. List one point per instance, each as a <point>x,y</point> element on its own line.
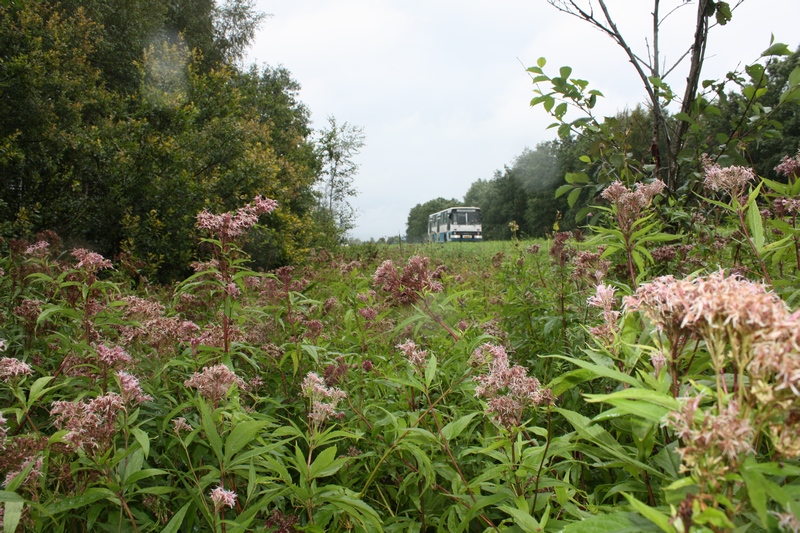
<point>455,224</point>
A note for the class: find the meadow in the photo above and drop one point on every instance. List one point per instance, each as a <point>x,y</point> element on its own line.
<point>642,375</point>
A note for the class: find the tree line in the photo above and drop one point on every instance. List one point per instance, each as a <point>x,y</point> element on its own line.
<point>122,120</point>
<point>532,192</point>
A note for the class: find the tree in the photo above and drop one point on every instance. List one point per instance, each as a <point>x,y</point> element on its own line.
<point>417,224</point>
<point>126,168</point>
<point>668,139</point>
<point>337,146</point>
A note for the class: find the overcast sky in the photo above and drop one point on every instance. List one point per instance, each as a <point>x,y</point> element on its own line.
<point>440,88</point>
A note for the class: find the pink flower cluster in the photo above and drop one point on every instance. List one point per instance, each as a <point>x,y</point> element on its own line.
<point>113,357</point>
<point>417,358</point>
<point>91,425</point>
<point>731,180</point>
<point>629,204</point>
<point>214,382</point>
<point>230,225</point>
<point>408,286</point>
<point>604,299</point>
<point>132,393</point>
<point>13,368</point>
<point>508,389</point>
<point>90,261</point>
<point>40,249</point>
<point>714,443</point>
<point>222,497</point>
<point>323,398</point>
<point>789,166</point>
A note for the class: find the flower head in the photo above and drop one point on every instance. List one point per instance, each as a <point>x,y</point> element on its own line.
<point>232,224</point>
<point>323,398</point>
<point>223,498</point>
<point>13,368</point>
<point>731,180</point>
<point>214,382</point>
<point>90,261</point>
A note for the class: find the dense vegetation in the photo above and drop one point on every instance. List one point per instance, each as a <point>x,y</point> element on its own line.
<point>557,385</point>
<point>640,372</point>
<point>122,120</point>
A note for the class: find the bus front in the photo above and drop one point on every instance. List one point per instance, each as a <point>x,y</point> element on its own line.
<point>465,224</point>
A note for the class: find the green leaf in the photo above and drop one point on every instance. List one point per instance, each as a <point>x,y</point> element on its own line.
<point>175,523</point>
<point>616,522</point>
<point>568,380</point>
<point>658,518</point>
<point>756,226</point>
<point>8,496</point>
<point>143,440</point>
<point>88,497</point>
<point>430,370</point>
<point>523,519</point>
<point>241,435</point>
<point>454,428</point>
<point>602,371</point>
<point>322,462</point>
<point>573,197</point>
<point>563,190</point>
<point>210,429</point>
<point>12,515</point>
<point>541,62</point>
<point>777,49</point>
<point>756,489</point>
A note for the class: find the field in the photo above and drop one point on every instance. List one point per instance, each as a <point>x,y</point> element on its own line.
<point>515,386</point>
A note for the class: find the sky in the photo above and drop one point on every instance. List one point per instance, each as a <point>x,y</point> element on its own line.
<point>440,87</point>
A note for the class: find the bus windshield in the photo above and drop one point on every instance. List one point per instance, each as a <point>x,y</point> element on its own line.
<point>467,217</point>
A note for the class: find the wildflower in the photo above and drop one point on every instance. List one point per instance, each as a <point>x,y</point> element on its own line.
<point>131,391</point>
<point>323,399</point>
<point>334,373</point>
<point>590,266</point>
<point>91,424</point>
<point>90,261</point>
<point>34,473</point>
<point>3,429</point>
<point>329,305</point>
<point>180,424</point>
<point>628,203</point>
<point>214,382</point>
<point>417,358</point>
<point>604,299</point>
<point>232,290</point>
<point>223,498</point>
<point>713,445</point>
<point>789,167</point>
<point>508,389</point>
<point>13,368</point>
<point>230,225</point>
<point>112,357</point>
<point>415,279</point>
<point>731,180</point>
<point>37,250</point>
<point>369,313</point>
<point>2,345</point>
<point>658,360</point>
<point>787,521</point>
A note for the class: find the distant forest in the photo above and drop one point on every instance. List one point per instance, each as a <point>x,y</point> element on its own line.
<point>525,190</point>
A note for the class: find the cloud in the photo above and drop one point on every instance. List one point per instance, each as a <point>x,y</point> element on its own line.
<point>439,88</point>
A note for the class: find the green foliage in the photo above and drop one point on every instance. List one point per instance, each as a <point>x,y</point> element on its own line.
<point>116,132</point>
